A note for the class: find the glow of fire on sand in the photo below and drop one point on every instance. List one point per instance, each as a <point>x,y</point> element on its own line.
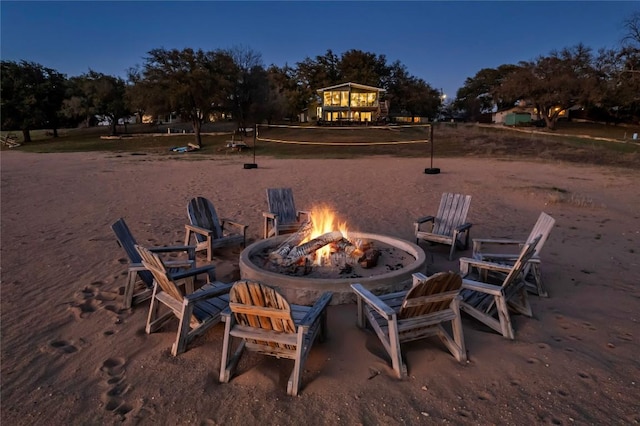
<point>323,220</point>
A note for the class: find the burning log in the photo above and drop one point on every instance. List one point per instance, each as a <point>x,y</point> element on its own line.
<point>279,254</point>
<point>370,258</point>
<point>348,248</point>
<point>311,246</point>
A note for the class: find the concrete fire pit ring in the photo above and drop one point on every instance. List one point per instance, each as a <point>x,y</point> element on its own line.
<point>305,291</point>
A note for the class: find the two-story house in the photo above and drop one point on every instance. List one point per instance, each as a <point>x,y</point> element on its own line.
<point>352,102</point>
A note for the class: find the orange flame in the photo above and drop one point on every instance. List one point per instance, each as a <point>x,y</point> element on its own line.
<point>323,220</point>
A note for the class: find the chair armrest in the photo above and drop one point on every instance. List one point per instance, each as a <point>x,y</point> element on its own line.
<point>179,263</point>
<point>240,226</point>
<point>465,262</point>
<point>424,219</point>
<point>464,227</point>
<point>172,248</point>
<point>192,272</point>
<point>497,241</point>
<point>494,290</point>
<point>217,290</point>
<point>478,243</point>
<point>225,314</point>
<point>270,215</point>
<point>316,309</point>
<point>373,301</point>
<point>198,230</point>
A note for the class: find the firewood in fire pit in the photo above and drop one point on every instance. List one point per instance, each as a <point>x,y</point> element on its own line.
<point>347,247</point>
<point>370,258</point>
<point>311,246</point>
<point>279,254</point>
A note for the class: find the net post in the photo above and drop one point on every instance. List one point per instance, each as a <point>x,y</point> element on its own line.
<point>431,170</point>
<point>253,165</point>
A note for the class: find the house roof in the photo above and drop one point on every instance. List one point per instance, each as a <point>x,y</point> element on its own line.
<point>355,85</point>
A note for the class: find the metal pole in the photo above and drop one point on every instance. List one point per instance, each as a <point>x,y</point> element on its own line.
<point>255,137</point>
<point>431,170</point>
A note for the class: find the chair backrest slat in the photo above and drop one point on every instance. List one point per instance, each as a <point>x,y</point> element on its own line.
<point>436,293</point>
<point>543,228</point>
<point>128,243</point>
<point>525,254</point>
<point>154,264</point>
<point>258,303</point>
<point>202,213</point>
<point>281,203</point>
<point>452,213</point>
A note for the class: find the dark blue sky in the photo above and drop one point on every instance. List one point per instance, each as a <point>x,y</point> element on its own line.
<point>440,42</point>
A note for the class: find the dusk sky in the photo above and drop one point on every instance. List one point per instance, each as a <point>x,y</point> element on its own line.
<point>440,42</point>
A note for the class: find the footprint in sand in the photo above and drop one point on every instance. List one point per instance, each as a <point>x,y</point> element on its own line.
<point>62,346</point>
<point>117,388</point>
<point>627,337</point>
<point>584,376</point>
<point>486,396</point>
<point>533,360</point>
<point>90,299</point>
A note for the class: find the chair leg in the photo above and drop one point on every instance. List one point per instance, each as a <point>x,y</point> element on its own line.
<point>187,237</point>
<point>360,321</point>
<point>537,279</point>
<point>458,334</point>
<point>395,353</point>
<point>293,385</point>
<point>153,312</point>
<point>182,338</point>
<point>505,318</point>
<point>132,277</point>
<point>209,250</point>
<point>228,363</point>
<point>453,248</point>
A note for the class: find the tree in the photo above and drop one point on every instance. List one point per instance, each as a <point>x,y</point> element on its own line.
<point>287,97</point>
<point>553,83</point>
<point>250,87</point>
<point>475,96</point>
<point>410,95</point>
<point>31,96</point>
<point>363,67</point>
<point>95,94</point>
<point>107,96</point>
<point>630,73</point>
<point>191,83</point>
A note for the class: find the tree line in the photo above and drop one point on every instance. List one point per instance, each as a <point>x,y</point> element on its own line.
<point>198,84</point>
<point>605,83</point>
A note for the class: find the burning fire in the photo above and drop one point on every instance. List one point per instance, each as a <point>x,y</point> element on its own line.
<point>324,220</point>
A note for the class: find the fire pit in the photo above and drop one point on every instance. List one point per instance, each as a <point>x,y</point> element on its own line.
<point>302,283</point>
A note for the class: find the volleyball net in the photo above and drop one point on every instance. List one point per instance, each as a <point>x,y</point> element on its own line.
<point>345,136</point>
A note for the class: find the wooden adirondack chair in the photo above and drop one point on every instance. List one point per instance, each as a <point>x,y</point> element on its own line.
<point>139,280</point>
<point>449,226</point>
<point>266,323</point>
<point>197,311</point>
<point>415,314</point>
<point>485,301</point>
<point>282,217</point>
<point>209,231</point>
<point>486,249</point>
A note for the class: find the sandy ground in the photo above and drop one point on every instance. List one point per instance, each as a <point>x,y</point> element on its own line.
<point>70,355</point>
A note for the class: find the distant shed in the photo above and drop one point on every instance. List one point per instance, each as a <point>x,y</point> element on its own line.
<point>517,118</point>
